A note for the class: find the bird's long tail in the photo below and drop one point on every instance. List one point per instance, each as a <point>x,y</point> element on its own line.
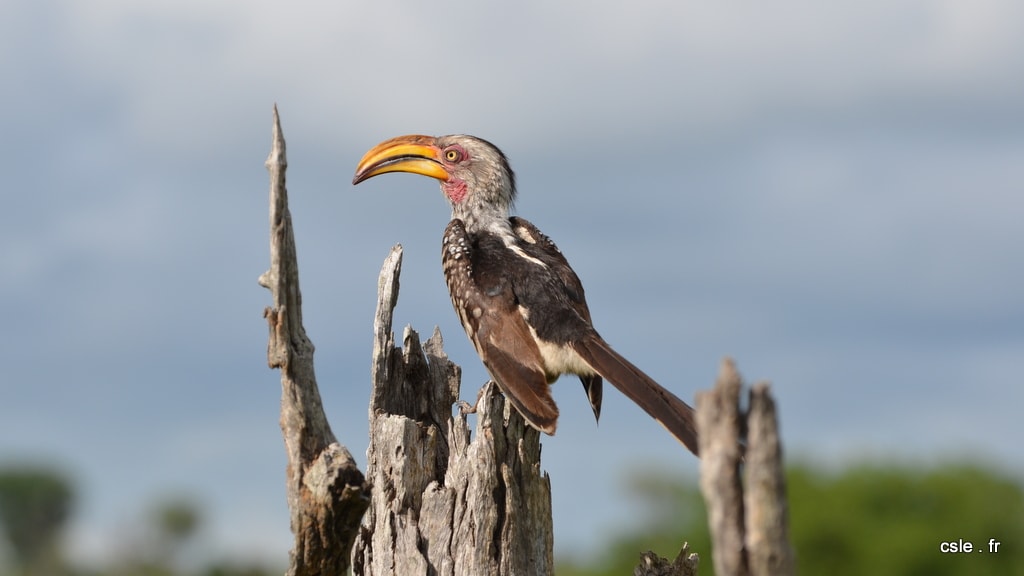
<point>665,407</point>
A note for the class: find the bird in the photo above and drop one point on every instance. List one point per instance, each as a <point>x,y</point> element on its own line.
<point>518,299</point>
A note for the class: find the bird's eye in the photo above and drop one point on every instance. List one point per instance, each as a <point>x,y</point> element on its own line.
<point>452,155</point>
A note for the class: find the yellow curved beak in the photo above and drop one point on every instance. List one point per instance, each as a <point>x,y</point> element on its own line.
<point>414,153</point>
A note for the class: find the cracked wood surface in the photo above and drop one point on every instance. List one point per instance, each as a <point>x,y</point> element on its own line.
<point>444,503</point>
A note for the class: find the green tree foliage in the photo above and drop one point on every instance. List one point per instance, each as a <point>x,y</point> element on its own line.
<point>35,504</point>
<point>174,523</point>
<point>177,519</point>
<point>159,545</point>
<point>867,519</point>
<point>875,519</point>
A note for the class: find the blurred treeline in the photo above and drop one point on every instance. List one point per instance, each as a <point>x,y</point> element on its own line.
<point>37,503</point>
<point>873,518</point>
<point>879,519</point>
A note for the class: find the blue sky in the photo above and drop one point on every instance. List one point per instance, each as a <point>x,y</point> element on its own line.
<point>830,193</point>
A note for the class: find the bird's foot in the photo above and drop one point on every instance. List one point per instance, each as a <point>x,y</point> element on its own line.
<point>467,408</point>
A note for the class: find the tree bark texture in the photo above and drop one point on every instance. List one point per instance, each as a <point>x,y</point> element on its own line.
<point>767,518</point>
<point>326,492</point>
<point>749,529</point>
<point>444,504</point>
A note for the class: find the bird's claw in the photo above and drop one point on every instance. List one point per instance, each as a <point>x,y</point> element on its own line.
<point>467,408</point>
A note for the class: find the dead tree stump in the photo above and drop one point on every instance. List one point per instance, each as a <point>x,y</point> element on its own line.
<point>443,504</point>
<point>747,513</point>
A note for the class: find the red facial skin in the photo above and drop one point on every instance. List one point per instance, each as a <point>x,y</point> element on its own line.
<point>454,188</point>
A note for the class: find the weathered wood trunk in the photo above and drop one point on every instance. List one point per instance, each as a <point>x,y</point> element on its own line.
<point>749,529</point>
<point>442,503</point>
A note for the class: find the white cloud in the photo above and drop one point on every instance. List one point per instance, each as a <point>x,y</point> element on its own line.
<point>197,71</point>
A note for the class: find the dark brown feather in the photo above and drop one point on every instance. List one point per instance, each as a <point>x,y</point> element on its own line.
<point>510,302</point>
<point>498,331</point>
<point>593,387</point>
<point>665,407</point>
<point>537,244</point>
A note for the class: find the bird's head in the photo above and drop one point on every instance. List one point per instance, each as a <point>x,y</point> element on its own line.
<point>475,175</point>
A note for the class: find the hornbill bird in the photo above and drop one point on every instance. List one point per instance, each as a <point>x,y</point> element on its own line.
<point>519,301</point>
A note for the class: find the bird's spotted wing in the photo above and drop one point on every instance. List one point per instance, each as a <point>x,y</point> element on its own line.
<point>537,245</point>
<point>487,308</point>
<point>564,292</point>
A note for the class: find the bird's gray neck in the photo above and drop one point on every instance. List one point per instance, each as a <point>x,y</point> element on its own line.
<point>480,218</point>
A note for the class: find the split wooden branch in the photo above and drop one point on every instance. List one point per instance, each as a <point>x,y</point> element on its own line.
<point>749,530</point>
<point>327,494</point>
<point>767,509</point>
<point>718,421</point>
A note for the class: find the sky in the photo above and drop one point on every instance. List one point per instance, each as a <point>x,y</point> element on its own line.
<point>830,193</point>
